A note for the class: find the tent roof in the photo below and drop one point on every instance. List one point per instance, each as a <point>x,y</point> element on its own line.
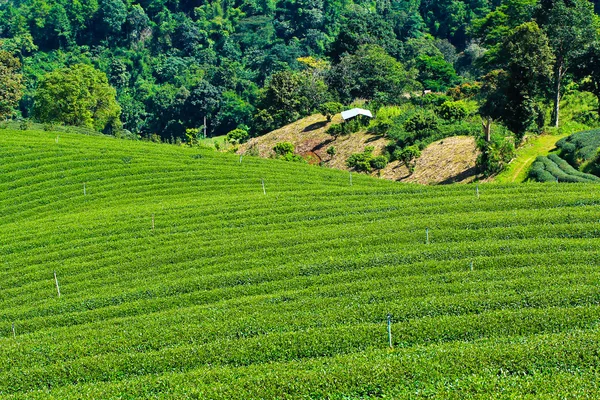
<point>354,112</point>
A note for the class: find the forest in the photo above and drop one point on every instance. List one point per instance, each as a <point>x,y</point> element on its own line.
<point>172,69</point>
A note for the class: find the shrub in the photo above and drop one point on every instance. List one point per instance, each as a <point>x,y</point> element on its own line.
<point>237,136</point>
<point>495,154</point>
<point>408,156</point>
<point>580,147</point>
<point>453,111</point>
<point>335,130</point>
<point>431,99</point>
<point>331,151</point>
<point>284,148</point>
<point>360,162</point>
<point>464,91</point>
<point>330,108</point>
<point>421,123</point>
<point>24,124</point>
<point>365,161</point>
<point>379,162</point>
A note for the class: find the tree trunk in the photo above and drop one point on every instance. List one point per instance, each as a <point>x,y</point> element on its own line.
<point>487,128</point>
<point>556,110</point>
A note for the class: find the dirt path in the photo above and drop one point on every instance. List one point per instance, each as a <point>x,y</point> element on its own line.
<point>526,155</point>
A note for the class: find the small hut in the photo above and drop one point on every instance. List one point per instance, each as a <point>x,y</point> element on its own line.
<point>353,113</point>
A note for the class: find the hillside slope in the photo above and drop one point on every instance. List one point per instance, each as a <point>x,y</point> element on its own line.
<point>446,161</point>
<point>237,294</point>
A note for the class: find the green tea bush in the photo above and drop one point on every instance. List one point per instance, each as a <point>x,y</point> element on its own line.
<point>580,147</point>
<point>181,278</point>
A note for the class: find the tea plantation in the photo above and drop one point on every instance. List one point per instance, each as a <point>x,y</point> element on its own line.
<point>180,278</point>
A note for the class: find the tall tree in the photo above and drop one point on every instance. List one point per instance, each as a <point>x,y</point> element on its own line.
<point>586,68</point>
<point>11,83</point>
<point>80,96</point>
<point>371,73</point>
<point>570,26</point>
<point>510,95</point>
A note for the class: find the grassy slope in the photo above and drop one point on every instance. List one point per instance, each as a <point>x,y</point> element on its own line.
<point>517,170</point>
<point>240,295</point>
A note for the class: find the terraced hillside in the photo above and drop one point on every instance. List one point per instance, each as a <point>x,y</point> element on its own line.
<point>240,295</point>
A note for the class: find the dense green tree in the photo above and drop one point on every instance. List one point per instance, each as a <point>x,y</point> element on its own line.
<point>586,68</point>
<point>369,74</point>
<point>80,96</point>
<point>511,95</point>
<point>11,83</point>
<point>570,26</point>
<point>435,73</point>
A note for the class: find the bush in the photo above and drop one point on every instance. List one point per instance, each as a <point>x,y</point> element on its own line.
<point>237,136</point>
<point>580,147</point>
<point>431,99</point>
<point>362,161</point>
<point>538,172</point>
<point>453,111</point>
<point>24,124</point>
<point>421,123</point>
<point>408,156</point>
<point>569,170</point>
<point>331,151</point>
<point>464,91</point>
<point>495,154</point>
<point>379,162</point>
<point>284,148</point>
<point>330,109</point>
<point>335,130</point>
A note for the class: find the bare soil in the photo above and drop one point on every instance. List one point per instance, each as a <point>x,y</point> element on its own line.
<point>451,160</point>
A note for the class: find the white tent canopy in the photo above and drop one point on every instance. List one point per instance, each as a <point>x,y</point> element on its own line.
<point>346,115</point>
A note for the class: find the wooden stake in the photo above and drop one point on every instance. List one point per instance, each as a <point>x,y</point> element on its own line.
<point>477,190</point>
<point>14,332</point>
<point>56,140</point>
<point>152,221</point>
<point>56,281</point>
<point>240,159</point>
<point>350,178</point>
<point>427,235</point>
<point>389,326</point>
<point>205,127</point>
<point>263,186</point>
<point>84,193</point>
<point>471,266</point>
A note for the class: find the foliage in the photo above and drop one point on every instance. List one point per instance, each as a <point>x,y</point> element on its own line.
<point>285,151</point>
<point>366,161</point>
<point>370,73</point>
<point>285,295</point>
<point>453,111</point>
<point>335,130</point>
<point>237,136</point>
<point>421,123</point>
<point>79,96</point>
<point>554,169</point>
<point>408,155</point>
<point>283,148</point>
<point>11,83</point>
<point>330,108</point>
<point>580,147</point>
<point>435,73</point>
<point>331,150</point>
<point>495,154</point>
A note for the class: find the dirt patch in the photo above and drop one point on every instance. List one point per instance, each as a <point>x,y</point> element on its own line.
<point>447,161</point>
<point>450,160</point>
